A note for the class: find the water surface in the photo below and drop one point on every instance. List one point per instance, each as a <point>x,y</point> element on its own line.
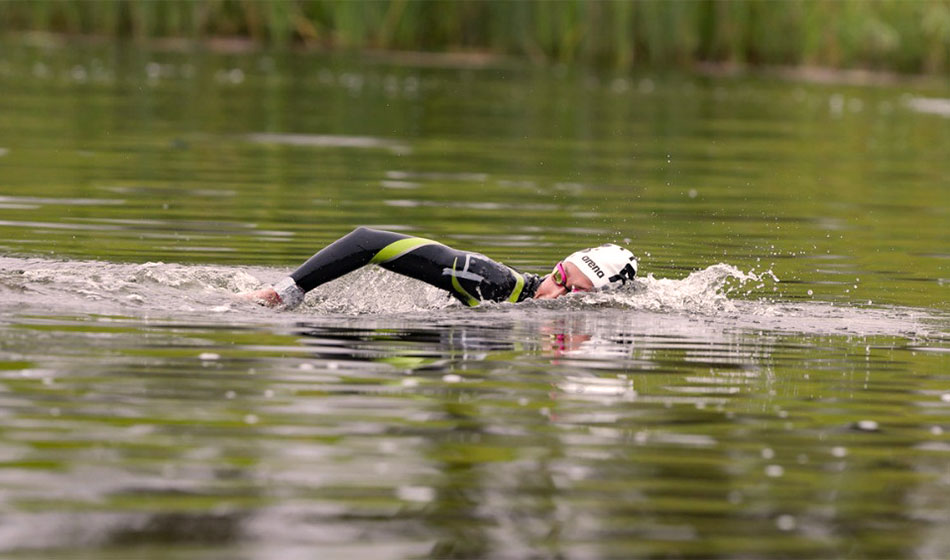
<point>773,386</point>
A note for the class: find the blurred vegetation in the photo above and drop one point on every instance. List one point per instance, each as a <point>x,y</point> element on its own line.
<point>898,35</point>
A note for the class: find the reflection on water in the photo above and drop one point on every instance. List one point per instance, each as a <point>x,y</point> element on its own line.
<point>930,105</point>
<point>328,141</point>
<point>560,430</point>
<point>773,386</point>
<point>581,428</point>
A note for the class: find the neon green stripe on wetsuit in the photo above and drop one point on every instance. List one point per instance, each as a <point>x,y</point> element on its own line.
<point>519,286</point>
<point>469,277</point>
<point>399,248</point>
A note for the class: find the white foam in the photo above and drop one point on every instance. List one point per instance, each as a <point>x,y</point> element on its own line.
<point>720,298</point>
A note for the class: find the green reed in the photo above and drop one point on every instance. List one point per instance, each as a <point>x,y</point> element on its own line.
<point>901,35</point>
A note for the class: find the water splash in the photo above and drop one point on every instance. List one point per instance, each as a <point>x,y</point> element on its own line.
<point>703,292</point>
<point>192,277</point>
<point>110,287</point>
<point>374,291</point>
<point>720,296</point>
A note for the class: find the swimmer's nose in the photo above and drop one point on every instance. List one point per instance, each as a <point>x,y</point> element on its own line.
<point>549,290</point>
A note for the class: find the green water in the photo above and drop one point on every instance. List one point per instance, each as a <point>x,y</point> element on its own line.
<point>835,183</point>
<point>146,415</point>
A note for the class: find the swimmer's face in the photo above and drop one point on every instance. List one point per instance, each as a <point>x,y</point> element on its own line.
<point>565,278</point>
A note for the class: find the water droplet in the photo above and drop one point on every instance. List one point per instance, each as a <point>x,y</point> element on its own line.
<point>153,70</point>
<point>867,425</point>
<point>78,74</point>
<point>774,471</point>
<point>230,395</point>
<point>415,493</point>
<point>811,293</point>
<point>785,522</point>
<point>767,453</point>
<point>839,451</point>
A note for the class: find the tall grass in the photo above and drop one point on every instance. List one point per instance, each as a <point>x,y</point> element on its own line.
<point>900,35</point>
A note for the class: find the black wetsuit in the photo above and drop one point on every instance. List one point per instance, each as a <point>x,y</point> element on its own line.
<point>470,277</point>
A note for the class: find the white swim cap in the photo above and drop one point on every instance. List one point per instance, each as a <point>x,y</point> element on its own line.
<point>604,265</point>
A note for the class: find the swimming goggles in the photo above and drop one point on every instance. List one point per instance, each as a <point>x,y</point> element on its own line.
<point>560,276</point>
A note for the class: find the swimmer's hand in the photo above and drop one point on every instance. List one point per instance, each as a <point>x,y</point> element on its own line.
<point>265,296</point>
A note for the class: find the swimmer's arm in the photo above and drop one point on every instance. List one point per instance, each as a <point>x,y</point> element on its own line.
<point>352,251</point>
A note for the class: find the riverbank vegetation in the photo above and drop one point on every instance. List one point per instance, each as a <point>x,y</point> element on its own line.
<point>894,35</point>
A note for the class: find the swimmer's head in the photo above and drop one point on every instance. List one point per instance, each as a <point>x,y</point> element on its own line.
<point>591,269</point>
<point>607,265</point>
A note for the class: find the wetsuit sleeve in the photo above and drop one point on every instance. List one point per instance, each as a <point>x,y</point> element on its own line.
<point>470,277</point>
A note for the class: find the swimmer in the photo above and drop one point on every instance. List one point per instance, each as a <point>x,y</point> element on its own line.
<point>470,277</point>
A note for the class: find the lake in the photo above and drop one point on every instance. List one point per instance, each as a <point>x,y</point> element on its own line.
<point>773,385</point>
